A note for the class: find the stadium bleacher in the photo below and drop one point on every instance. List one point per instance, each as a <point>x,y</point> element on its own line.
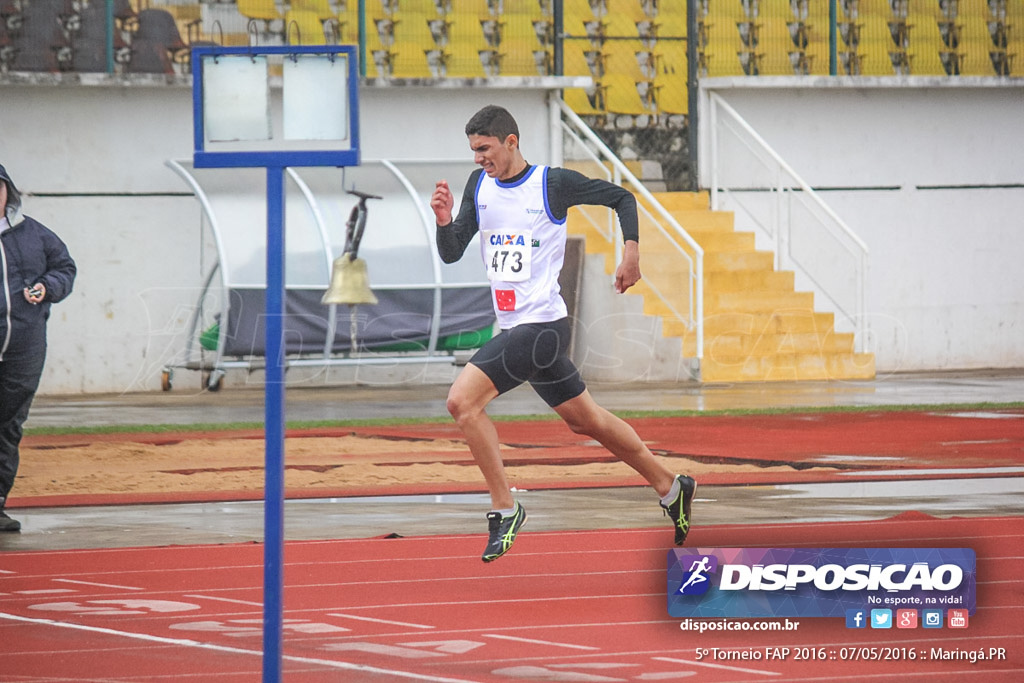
<point>635,50</point>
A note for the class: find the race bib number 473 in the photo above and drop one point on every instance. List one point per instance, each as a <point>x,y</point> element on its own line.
<point>507,256</point>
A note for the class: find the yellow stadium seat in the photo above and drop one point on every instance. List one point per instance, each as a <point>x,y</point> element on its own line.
<point>975,39</point>
<point>619,57</point>
<point>580,102</point>
<point>303,28</point>
<point>528,7</point>
<point>464,63</point>
<point>464,27</point>
<point>322,8</point>
<point>671,22</point>
<point>670,60</point>
<point>412,27</point>
<point>465,41</point>
<point>478,8</point>
<point>817,15</point>
<point>621,95</point>
<point>519,58</point>
<point>775,42</point>
<point>619,26</point>
<point>265,10</point>
<point>349,20</point>
<point>875,39</point>
<point>409,60</point>
<point>574,60</point>
<point>728,12</point>
<point>518,27</point>
<point>421,7</point>
<point>670,95</point>
<point>578,8</point>
<point>579,27</point>
<point>631,9</point>
<point>926,45</point>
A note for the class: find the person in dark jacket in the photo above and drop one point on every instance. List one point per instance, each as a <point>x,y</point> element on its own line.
<point>36,271</point>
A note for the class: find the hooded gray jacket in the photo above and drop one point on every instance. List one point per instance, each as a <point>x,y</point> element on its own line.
<point>29,253</point>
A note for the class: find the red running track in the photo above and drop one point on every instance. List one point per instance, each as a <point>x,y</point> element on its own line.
<point>579,606</point>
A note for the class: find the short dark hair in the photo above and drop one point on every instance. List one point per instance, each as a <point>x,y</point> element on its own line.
<point>493,121</point>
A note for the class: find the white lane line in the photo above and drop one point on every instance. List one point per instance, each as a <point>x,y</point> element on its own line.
<point>231,600</point>
<point>347,666</point>
<point>539,642</point>
<point>379,621</point>
<point>904,474</point>
<point>518,601</point>
<point>99,585</point>
<point>690,662</point>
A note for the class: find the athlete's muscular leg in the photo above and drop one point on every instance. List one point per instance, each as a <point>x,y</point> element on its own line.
<point>467,399</point>
<point>585,416</point>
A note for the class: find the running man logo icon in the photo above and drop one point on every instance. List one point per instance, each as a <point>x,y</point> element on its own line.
<point>696,580</point>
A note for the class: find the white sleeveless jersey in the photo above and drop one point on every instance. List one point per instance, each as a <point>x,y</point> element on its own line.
<point>522,247</point>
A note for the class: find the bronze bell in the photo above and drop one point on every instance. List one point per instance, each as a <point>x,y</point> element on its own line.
<point>349,282</point>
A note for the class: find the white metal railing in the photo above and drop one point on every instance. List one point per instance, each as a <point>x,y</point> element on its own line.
<point>220,272</point>
<point>693,258</point>
<point>805,233</point>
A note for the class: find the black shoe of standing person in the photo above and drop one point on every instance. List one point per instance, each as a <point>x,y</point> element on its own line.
<point>8,524</point>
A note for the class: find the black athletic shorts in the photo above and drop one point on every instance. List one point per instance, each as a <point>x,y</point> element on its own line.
<point>536,353</point>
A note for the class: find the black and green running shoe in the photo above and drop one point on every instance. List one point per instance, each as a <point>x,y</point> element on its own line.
<point>502,532</point>
<point>679,509</point>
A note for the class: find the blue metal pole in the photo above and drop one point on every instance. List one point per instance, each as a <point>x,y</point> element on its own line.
<point>273,511</point>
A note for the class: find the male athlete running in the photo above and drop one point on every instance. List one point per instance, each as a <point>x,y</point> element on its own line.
<point>520,211</point>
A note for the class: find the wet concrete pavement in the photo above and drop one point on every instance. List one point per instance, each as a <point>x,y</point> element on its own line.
<point>117,526</point>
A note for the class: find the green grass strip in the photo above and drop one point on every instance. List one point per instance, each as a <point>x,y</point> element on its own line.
<point>625,414</point>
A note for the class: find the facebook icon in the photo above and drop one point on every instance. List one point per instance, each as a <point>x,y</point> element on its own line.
<point>856,618</point>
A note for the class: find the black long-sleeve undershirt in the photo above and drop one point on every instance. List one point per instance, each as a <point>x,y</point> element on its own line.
<point>566,188</point>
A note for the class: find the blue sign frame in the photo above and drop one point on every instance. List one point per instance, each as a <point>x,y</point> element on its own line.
<point>275,161</point>
<point>201,158</point>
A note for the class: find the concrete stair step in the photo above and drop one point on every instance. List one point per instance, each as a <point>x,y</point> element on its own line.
<point>684,201</point>
<point>754,301</point>
<point>738,260</point>
<point>730,345</point>
<point>722,240</point>
<point>756,327</point>
<point>788,367</point>
<point>778,322</point>
<point>745,280</point>
<point>691,220</point>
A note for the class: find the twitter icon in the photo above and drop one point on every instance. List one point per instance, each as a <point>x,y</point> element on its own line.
<point>881,618</point>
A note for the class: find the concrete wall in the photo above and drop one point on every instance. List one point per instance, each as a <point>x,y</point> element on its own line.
<point>930,174</point>
<point>945,287</point>
<point>90,156</point>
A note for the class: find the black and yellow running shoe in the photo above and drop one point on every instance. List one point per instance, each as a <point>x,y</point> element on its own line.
<point>502,532</point>
<point>679,509</point>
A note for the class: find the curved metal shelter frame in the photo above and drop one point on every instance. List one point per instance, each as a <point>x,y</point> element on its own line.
<point>398,246</point>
